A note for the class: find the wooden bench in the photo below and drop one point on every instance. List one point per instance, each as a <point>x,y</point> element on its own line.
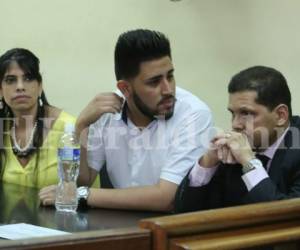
<point>238,227</point>
<point>117,239</point>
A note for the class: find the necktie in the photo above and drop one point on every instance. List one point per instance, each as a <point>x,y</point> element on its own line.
<point>263,158</point>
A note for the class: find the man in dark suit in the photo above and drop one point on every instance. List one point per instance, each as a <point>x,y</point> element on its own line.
<point>259,160</point>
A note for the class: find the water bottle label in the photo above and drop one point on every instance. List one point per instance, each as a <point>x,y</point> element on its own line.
<point>69,154</point>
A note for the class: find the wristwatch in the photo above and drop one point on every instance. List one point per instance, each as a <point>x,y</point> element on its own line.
<point>82,195</point>
<point>251,165</point>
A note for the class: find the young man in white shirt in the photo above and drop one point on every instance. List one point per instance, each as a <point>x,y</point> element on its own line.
<point>148,137</point>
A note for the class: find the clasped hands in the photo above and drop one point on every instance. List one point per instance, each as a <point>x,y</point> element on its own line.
<point>228,148</point>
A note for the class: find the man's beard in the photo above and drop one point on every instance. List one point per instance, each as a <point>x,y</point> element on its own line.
<point>151,114</point>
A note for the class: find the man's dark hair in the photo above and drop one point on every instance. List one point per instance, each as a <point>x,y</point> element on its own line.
<point>137,46</point>
<point>269,84</point>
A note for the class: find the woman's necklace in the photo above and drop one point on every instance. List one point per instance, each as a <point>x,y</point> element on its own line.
<point>28,149</point>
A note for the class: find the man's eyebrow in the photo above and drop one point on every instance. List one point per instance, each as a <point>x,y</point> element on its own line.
<point>153,78</point>
<point>246,108</point>
<point>157,77</point>
<point>243,108</point>
<point>171,71</point>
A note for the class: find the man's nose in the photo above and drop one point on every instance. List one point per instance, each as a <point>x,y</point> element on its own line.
<point>166,86</point>
<point>237,124</point>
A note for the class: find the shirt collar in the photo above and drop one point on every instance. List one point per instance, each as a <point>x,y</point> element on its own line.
<point>123,114</point>
<point>270,151</point>
<point>124,117</point>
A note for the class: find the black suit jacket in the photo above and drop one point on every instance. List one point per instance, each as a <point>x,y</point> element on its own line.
<point>227,188</point>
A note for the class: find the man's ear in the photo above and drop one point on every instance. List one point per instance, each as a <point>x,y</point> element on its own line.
<point>124,87</point>
<point>282,114</point>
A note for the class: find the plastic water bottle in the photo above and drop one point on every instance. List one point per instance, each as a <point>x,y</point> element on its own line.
<point>68,170</point>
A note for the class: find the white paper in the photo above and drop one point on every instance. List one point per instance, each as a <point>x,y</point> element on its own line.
<point>23,231</point>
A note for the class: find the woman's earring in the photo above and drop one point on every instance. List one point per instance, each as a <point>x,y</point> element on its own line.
<point>1,103</point>
<point>40,101</point>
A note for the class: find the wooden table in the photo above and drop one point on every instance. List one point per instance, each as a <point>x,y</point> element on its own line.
<point>21,204</point>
